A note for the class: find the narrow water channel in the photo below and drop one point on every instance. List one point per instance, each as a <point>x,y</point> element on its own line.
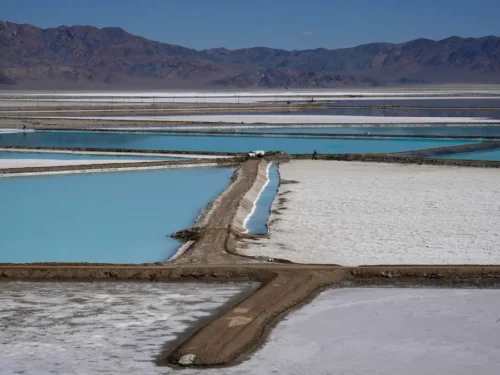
<point>257,224</point>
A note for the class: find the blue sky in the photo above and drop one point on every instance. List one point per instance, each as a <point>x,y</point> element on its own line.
<point>288,24</point>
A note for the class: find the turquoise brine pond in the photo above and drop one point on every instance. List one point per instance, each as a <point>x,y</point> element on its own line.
<point>257,224</point>
<point>232,143</point>
<point>109,218</point>
<point>455,131</point>
<point>491,155</point>
<point>70,156</point>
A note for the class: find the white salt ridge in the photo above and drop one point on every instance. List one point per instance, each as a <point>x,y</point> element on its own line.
<point>11,131</point>
<point>256,200</point>
<point>291,119</point>
<point>353,213</point>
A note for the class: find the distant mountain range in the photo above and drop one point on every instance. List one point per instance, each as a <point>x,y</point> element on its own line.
<point>82,57</point>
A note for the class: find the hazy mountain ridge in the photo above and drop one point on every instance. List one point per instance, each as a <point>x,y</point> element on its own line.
<point>85,55</point>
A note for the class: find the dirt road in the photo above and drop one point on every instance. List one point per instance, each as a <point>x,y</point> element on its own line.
<point>213,245</point>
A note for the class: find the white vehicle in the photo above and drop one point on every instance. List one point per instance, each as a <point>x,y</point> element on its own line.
<point>258,153</point>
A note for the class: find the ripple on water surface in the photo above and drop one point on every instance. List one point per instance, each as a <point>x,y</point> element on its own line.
<point>99,328</point>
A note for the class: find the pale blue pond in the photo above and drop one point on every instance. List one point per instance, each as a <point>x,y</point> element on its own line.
<point>68,156</point>
<point>231,143</point>
<point>257,224</point>
<point>492,155</point>
<point>456,131</point>
<point>112,218</point>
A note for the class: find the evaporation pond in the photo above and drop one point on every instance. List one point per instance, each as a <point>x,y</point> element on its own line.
<point>106,217</point>
<point>82,156</point>
<point>232,143</point>
<point>456,131</point>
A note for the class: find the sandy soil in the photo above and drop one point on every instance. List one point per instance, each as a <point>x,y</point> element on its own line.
<point>363,213</point>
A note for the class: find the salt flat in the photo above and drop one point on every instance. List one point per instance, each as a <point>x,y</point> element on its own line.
<point>354,213</point>
<point>47,99</point>
<point>384,332</point>
<point>58,101</point>
<point>432,91</point>
<point>99,328</point>
<point>287,119</point>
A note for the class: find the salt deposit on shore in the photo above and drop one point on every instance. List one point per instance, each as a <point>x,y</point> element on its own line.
<point>84,170</point>
<point>384,331</point>
<point>288,119</point>
<point>353,213</point>
<point>10,131</point>
<point>248,204</point>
